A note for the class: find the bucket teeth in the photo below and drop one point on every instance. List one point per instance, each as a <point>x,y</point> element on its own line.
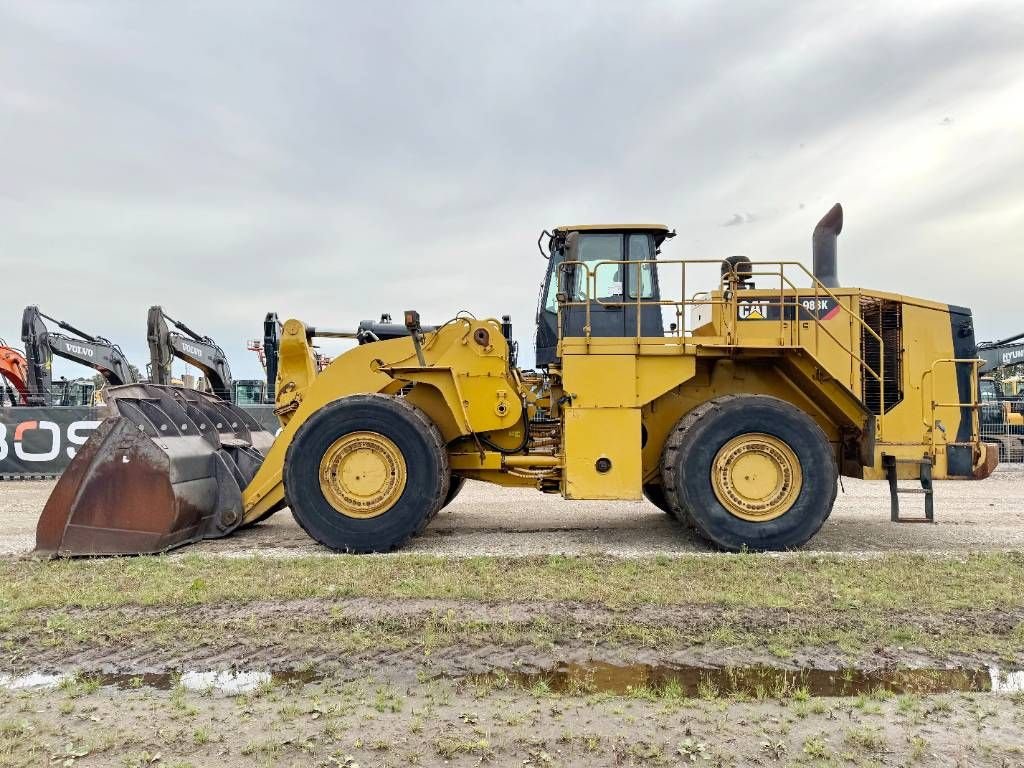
<point>166,468</point>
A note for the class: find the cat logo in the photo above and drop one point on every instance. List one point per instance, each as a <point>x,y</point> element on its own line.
<point>749,310</point>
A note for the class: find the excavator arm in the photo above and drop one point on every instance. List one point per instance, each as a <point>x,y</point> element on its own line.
<point>184,343</point>
<point>41,344</point>
<point>1002,353</point>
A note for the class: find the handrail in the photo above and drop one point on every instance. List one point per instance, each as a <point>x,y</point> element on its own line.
<point>788,294</point>
<point>974,404</point>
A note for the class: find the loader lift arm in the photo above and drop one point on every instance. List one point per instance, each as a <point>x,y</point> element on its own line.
<point>184,343</point>
<point>271,346</point>
<point>367,332</point>
<point>41,344</point>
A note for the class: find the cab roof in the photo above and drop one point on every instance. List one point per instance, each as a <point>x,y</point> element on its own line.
<point>612,228</point>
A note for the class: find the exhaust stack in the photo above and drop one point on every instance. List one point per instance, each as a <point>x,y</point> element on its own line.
<point>823,247</point>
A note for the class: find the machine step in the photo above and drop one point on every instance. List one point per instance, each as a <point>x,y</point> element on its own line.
<point>890,463</point>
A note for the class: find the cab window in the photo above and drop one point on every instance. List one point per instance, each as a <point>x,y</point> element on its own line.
<point>607,278</point>
<point>640,250</point>
<point>248,394</point>
<point>551,299</point>
<point>988,391</point>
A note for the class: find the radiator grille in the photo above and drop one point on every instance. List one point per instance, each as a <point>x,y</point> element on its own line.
<point>885,318</point>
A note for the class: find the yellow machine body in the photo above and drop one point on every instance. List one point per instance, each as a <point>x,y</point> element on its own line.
<point>738,414</point>
<point>622,396</point>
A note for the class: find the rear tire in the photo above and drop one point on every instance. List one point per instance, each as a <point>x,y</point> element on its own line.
<point>750,472</point>
<point>656,495</point>
<point>328,464</point>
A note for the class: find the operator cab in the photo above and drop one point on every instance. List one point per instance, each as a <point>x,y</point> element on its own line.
<point>601,248</point>
<point>79,393</point>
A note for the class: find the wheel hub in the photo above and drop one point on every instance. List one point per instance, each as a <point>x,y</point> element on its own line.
<point>756,477</point>
<point>362,474</point>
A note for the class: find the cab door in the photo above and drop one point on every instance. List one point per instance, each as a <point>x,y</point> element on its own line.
<point>599,278</point>
<point>642,284</point>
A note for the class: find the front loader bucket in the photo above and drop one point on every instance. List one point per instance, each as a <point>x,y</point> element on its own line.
<point>166,468</point>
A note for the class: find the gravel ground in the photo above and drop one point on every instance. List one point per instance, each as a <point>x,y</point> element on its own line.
<point>489,520</point>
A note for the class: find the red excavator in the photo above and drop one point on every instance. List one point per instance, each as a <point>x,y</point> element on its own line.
<point>13,376</point>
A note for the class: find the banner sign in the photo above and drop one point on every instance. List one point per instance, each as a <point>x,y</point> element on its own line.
<point>40,442</point>
<point>811,307</point>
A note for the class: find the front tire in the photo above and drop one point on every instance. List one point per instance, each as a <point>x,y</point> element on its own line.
<point>750,472</point>
<point>454,487</point>
<point>366,473</point>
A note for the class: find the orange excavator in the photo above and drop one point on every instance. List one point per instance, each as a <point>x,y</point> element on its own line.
<point>13,376</point>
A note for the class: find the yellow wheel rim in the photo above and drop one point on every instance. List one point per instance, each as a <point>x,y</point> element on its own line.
<point>362,474</point>
<point>756,477</point>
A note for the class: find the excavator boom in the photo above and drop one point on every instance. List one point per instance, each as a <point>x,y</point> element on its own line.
<point>188,345</point>
<point>41,344</point>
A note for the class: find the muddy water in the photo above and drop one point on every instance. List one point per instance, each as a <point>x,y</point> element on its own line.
<point>756,682</point>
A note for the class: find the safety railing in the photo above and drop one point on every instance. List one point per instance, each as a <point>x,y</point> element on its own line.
<point>788,298</point>
<point>930,406</point>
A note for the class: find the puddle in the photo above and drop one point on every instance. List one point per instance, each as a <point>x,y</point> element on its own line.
<point>600,677</point>
<point>33,680</point>
<point>228,682</point>
<point>754,682</point>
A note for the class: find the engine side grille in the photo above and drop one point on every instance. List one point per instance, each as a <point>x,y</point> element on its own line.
<point>885,318</point>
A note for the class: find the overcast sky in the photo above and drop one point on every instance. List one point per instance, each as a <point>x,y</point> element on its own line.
<point>332,161</point>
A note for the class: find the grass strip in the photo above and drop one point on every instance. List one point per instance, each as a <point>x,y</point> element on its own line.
<point>989,581</point>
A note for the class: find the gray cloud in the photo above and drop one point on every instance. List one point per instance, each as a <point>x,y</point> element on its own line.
<point>739,218</point>
<point>333,161</point>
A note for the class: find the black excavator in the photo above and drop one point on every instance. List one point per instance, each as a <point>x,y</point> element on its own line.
<point>1002,412</point>
<point>1001,354</point>
<point>198,350</point>
<point>96,352</point>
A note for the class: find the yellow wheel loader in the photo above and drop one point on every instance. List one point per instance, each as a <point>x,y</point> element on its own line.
<point>734,410</point>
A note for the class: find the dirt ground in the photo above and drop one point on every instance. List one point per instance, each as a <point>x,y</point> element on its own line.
<point>371,721</point>
<point>193,676</point>
<point>489,520</point>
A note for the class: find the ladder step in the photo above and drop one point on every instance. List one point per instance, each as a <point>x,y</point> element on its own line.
<point>925,476</point>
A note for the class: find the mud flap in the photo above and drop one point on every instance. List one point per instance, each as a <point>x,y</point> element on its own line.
<point>166,468</point>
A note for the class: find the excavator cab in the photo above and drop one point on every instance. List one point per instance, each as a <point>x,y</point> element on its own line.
<point>602,254</point>
<point>79,393</point>
<point>249,392</point>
